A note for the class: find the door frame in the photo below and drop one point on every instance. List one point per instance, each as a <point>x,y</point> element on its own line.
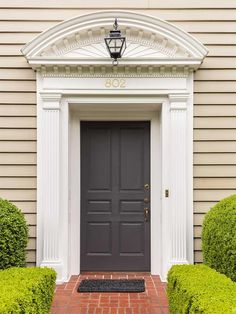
<point>58,235</point>
<point>76,116</point>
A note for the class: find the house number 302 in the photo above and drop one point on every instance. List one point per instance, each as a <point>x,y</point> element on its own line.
<point>115,83</point>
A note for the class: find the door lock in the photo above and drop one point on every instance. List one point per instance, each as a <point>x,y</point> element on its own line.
<point>146,186</point>
<point>146,214</point>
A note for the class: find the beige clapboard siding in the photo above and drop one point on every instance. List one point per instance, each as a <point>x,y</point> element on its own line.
<point>26,207</point>
<point>18,146</point>
<point>17,183</point>
<point>214,98</point>
<point>214,110</point>
<point>17,38</point>
<point>202,207</point>
<point>197,232</point>
<point>162,4</point>
<point>17,122</point>
<point>172,15</point>
<point>214,135</point>
<point>10,50</point>
<point>216,158</point>
<point>215,74</point>
<point>18,158</point>
<point>17,98</point>
<point>17,170</point>
<point>21,134</point>
<point>13,62</point>
<point>198,244</point>
<point>31,244</point>
<point>198,257</point>
<point>214,171</point>
<point>212,195</point>
<point>216,39</point>
<point>215,122</point>
<point>18,195</point>
<point>214,183</point>
<point>17,110</point>
<point>214,147</point>
<point>16,86</point>
<point>214,87</point>
<point>188,26</point>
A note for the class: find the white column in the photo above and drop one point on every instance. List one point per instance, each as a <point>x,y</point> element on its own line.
<point>49,172</point>
<point>178,179</point>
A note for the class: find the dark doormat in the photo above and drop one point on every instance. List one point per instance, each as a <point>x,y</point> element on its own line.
<point>112,285</point>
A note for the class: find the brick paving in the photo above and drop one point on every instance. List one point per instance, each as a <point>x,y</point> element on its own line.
<point>153,301</point>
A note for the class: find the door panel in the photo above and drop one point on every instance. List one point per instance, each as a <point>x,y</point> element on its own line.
<point>115,167</point>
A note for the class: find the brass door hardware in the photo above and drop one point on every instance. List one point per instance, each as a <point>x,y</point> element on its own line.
<point>146,186</point>
<point>146,213</point>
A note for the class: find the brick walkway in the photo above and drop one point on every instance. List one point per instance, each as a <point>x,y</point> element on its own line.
<point>153,301</point>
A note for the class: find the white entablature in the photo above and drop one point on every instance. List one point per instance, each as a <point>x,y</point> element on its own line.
<point>77,46</point>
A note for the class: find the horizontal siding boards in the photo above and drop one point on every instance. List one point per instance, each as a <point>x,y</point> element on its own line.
<point>170,14</point>
<point>215,171</point>
<point>26,207</point>
<point>21,134</point>
<point>212,22</point>
<point>214,98</point>
<point>17,98</point>
<point>17,183</point>
<point>214,183</point>
<point>214,159</point>
<point>18,158</point>
<point>215,135</point>
<point>214,111</point>
<point>216,74</point>
<point>161,4</point>
<point>7,110</point>
<point>214,147</point>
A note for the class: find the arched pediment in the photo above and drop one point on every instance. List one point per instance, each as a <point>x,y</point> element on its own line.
<point>80,42</point>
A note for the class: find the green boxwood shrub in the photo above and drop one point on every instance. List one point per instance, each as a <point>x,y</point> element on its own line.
<point>13,236</point>
<point>219,237</point>
<point>26,290</point>
<point>200,289</point>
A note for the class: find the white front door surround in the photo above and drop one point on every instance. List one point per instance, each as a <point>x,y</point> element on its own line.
<point>155,84</point>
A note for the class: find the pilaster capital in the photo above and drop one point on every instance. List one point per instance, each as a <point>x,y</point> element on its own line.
<point>178,101</point>
<point>51,101</point>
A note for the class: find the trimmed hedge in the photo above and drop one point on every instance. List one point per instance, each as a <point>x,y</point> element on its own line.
<point>26,290</point>
<point>219,237</point>
<point>200,289</point>
<point>13,236</point>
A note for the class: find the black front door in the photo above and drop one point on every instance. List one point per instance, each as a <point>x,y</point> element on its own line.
<point>115,218</point>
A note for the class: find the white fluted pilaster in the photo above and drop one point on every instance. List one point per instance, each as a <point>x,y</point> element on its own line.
<point>178,178</point>
<point>50,174</point>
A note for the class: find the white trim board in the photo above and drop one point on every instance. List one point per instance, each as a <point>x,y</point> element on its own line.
<point>166,249</point>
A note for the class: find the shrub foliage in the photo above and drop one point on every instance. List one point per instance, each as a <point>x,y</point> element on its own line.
<point>199,289</point>
<point>13,236</point>
<point>26,290</point>
<point>219,237</point>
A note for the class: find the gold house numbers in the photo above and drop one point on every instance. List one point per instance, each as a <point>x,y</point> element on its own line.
<point>115,83</point>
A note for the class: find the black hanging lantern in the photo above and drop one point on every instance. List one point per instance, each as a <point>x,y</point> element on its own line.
<point>115,43</point>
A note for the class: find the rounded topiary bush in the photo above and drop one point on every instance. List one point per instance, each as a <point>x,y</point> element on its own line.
<point>13,236</point>
<point>219,237</point>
